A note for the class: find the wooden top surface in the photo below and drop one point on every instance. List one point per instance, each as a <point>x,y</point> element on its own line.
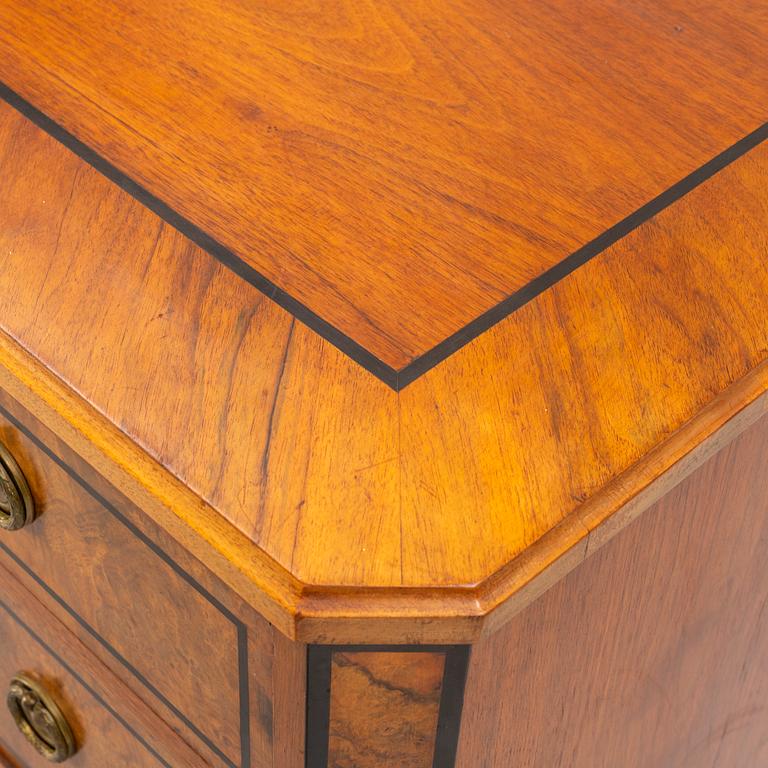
<point>353,511</point>
<point>392,171</point>
<point>350,500</point>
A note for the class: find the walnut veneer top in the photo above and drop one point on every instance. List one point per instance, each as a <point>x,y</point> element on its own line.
<point>408,299</point>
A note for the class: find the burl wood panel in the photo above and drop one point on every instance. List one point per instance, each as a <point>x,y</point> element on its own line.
<point>654,652</point>
<point>101,738</point>
<point>167,636</point>
<point>384,708</point>
<point>335,478</point>
<point>399,167</point>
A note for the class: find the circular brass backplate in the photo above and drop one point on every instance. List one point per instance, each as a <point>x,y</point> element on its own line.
<point>39,718</point>
<point>17,508</point>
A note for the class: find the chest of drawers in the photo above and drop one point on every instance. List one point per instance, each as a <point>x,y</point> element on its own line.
<point>383,385</point>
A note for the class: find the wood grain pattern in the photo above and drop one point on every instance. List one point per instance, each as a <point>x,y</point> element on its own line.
<point>426,509</point>
<point>133,600</point>
<point>5,759</point>
<point>654,652</point>
<point>384,708</point>
<point>276,673</point>
<point>289,702</point>
<point>269,669</point>
<point>160,734</point>
<point>399,168</point>
<point>104,715</point>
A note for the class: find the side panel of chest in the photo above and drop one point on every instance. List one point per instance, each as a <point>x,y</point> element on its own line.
<point>653,652</point>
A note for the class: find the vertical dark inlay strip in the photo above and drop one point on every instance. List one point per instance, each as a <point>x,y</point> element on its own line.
<point>243,681</point>
<point>322,660</point>
<point>318,705</point>
<point>451,705</point>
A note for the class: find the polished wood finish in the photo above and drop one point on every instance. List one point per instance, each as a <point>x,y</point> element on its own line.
<point>111,725</point>
<point>288,697</point>
<point>654,652</point>
<point>333,342</point>
<point>134,602</point>
<point>107,742</point>
<point>399,168</point>
<point>384,708</point>
<point>475,484</point>
<point>213,669</point>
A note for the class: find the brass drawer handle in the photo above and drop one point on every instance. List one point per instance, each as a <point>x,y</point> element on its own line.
<point>40,720</point>
<point>17,508</point>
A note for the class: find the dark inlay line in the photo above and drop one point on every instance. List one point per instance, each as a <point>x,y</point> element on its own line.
<point>396,379</point>
<point>241,629</point>
<point>47,648</point>
<point>451,705</point>
<point>243,680</point>
<point>318,723</point>
<point>578,258</point>
<point>244,270</point>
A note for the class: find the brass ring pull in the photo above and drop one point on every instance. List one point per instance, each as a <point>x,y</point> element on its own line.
<point>17,508</point>
<point>40,720</point>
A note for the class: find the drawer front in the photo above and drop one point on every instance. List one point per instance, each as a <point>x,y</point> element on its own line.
<point>101,737</point>
<point>174,639</point>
